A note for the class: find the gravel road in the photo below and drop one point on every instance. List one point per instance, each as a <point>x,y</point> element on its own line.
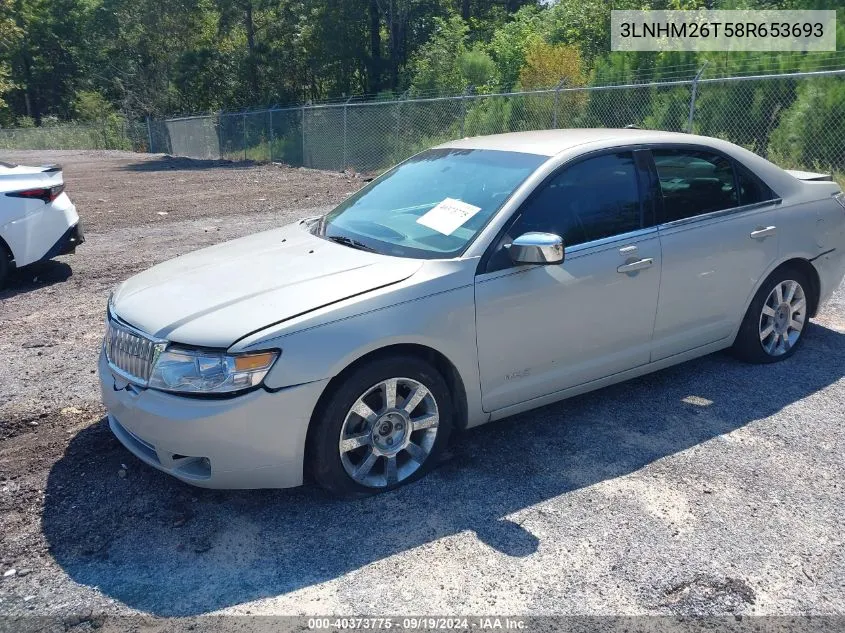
<point>711,488</point>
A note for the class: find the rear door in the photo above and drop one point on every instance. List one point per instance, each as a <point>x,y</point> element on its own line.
<point>718,235</point>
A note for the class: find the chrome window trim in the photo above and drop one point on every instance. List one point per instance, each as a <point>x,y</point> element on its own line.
<point>596,245</point>
<point>720,213</point>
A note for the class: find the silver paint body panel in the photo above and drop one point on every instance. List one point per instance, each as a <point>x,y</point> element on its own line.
<point>517,338</point>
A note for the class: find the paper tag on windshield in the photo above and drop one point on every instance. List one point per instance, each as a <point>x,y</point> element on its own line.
<point>445,217</point>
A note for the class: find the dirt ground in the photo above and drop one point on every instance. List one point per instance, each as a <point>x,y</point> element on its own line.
<point>711,488</point>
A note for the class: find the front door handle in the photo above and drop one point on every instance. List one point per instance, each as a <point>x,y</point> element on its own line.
<point>635,266</point>
<point>763,232</point>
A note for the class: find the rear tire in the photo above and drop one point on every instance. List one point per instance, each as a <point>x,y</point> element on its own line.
<point>5,266</point>
<point>776,321</point>
<point>384,426</point>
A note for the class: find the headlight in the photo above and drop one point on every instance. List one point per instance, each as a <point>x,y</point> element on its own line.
<point>197,371</point>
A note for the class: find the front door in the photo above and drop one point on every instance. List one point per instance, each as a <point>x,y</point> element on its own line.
<point>543,329</point>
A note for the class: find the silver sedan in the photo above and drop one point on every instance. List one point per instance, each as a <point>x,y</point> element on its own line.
<point>476,280</point>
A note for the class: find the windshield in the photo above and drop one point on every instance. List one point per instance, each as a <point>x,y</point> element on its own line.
<point>432,205</point>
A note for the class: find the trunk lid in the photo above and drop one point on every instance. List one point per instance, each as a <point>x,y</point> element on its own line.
<point>809,176</point>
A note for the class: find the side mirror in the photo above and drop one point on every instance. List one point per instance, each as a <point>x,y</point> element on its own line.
<point>536,248</point>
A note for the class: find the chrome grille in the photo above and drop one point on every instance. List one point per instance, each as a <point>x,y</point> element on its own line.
<point>129,352</point>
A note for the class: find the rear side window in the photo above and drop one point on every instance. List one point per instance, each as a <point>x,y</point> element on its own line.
<point>595,198</point>
<point>751,188</point>
<point>694,182</point>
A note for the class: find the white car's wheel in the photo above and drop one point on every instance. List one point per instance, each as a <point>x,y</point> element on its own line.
<point>5,266</point>
<point>382,427</point>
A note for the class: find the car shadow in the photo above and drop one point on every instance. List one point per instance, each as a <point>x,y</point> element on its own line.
<point>169,163</point>
<point>34,276</point>
<point>163,547</point>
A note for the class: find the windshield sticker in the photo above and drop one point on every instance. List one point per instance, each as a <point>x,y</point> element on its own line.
<point>447,216</point>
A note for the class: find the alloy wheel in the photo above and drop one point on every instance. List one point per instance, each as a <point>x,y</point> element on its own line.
<point>389,432</point>
<point>782,318</point>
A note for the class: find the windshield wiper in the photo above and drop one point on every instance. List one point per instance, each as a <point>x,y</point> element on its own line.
<point>348,241</point>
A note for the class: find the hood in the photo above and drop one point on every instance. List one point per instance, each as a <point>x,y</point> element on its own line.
<point>217,295</point>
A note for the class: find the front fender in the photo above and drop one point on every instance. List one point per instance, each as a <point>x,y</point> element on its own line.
<point>444,322</point>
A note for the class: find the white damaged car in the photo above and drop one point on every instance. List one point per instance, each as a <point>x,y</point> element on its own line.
<point>37,219</point>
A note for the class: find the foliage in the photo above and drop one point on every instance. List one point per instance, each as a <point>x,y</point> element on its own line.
<point>435,67</point>
<point>90,105</point>
<point>810,132</point>
<point>108,63</point>
<point>510,41</point>
<point>477,68</point>
<point>548,64</point>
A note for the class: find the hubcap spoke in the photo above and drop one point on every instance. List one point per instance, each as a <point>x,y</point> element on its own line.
<point>766,332</point>
<point>798,306</point>
<point>417,453</point>
<point>366,466</point>
<point>414,398</point>
<point>390,470</point>
<point>769,312</point>
<point>389,388</point>
<point>779,293</point>
<point>363,410</point>
<point>425,422</point>
<point>357,441</point>
<point>791,292</point>
<point>786,343</point>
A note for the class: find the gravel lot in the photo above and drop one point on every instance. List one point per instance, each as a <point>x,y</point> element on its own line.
<point>711,488</point>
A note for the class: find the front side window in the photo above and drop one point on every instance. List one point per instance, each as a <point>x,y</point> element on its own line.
<point>694,182</point>
<point>432,205</point>
<point>593,199</point>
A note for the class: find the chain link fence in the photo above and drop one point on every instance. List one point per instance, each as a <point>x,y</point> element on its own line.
<point>795,119</point>
<point>113,134</point>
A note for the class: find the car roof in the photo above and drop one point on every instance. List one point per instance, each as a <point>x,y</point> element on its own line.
<point>552,142</point>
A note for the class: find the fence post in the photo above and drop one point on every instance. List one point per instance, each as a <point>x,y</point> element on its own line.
<point>399,100</point>
<point>560,85</point>
<point>346,103</point>
<point>244,126</point>
<point>303,134</point>
<point>692,97</point>
<point>466,91</point>
<point>149,135</point>
<point>270,149</point>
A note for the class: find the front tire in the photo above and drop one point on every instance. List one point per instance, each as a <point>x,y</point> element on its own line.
<point>384,426</point>
<point>777,318</point>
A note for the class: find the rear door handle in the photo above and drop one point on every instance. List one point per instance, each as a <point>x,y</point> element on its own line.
<point>635,266</point>
<point>763,232</point>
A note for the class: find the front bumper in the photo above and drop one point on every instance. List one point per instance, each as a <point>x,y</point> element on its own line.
<point>256,440</point>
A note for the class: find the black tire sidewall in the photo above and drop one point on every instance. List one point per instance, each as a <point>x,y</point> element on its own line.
<point>325,464</point>
<point>748,345</point>
<point>5,267</point>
